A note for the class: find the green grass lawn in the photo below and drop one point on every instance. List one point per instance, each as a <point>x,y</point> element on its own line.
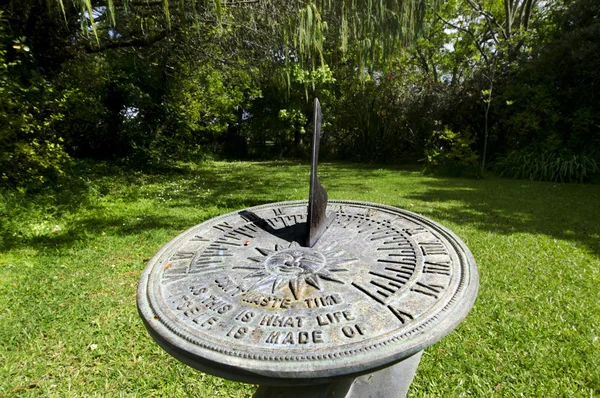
<point>70,260</point>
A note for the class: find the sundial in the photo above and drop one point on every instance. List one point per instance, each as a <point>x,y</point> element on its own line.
<point>307,292</point>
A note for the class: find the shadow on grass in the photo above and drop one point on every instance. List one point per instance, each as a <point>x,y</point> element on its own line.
<point>563,211</point>
<point>239,184</point>
<point>91,227</point>
<point>87,201</point>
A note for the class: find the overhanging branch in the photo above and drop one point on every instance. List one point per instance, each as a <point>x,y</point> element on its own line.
<point>134,42</point>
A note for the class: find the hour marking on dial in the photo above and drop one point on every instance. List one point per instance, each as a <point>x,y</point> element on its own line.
<point>204,263</point>
<point>385,234</point>
<point>402,316</point>
<point>427,289</point>
<point>198,238</point>
<point>442,268</point>
<point>224,226</point>
<point>415,231</point>
<point>182,255</point>
<point>432,248</point>
<point>225,241</point>
<point>368,293</point>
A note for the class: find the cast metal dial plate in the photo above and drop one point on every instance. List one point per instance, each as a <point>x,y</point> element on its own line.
<point>237,296</point>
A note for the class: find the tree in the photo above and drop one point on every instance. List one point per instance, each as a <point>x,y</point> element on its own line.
<point>30,151</point>
<point>553,96</point>
<point>497,35</point>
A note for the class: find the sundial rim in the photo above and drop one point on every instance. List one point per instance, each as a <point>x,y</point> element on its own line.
<point>215,352</point>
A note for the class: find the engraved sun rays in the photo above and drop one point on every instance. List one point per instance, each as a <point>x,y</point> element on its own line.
<point>294,267</point>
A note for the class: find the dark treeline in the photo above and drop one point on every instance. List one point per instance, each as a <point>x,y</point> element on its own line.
<point>464,86</point>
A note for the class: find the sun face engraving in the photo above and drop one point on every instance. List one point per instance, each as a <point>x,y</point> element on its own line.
<point>294,263</point>
<point>292,268</point>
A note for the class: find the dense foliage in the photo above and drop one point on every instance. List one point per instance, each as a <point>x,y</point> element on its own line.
<point>504,84</point>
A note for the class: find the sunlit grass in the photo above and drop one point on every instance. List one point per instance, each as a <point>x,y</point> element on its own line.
<point>71,259</point>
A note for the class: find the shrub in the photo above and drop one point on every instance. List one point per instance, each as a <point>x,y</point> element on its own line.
<point>547,166</point>
<point>450,153</point>
<point>30,150</point>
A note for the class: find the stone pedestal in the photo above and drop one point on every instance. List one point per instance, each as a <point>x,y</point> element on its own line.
<point>391,382</point>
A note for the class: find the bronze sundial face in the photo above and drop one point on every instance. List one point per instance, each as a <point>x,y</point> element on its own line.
<point>303,292</point>
<point>238,296</point>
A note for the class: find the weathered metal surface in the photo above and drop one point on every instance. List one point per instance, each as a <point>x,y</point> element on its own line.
<point>239,297</point>
<point>317,219</point>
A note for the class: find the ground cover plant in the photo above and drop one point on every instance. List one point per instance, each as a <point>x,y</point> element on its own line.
<point>70,259</point>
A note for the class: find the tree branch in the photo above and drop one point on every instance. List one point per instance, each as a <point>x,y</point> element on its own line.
<point>528,7</point>
<point>134,42</point>
<point>477,44</point>
<point>509,15</point>
<point>488,16</point>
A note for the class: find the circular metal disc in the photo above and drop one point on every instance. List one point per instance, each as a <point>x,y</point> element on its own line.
<point>238,297</point>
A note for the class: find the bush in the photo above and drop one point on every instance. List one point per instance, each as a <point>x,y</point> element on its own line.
<point>548,166</point>
<point>450,153</point>
<point>30,150</point>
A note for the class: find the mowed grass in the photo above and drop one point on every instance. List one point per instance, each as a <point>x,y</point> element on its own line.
<point>70,261</point>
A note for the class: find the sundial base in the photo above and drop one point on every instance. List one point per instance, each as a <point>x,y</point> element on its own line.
<point>391,382</point>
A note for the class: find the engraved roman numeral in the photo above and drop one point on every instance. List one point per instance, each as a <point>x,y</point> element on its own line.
<point>428,290</point>
<point>402,316</point>
<point>278,211</point>
<point>441,268</point>
<point>246,216</point>
<point>297,218</point>
<point>277,222</point>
